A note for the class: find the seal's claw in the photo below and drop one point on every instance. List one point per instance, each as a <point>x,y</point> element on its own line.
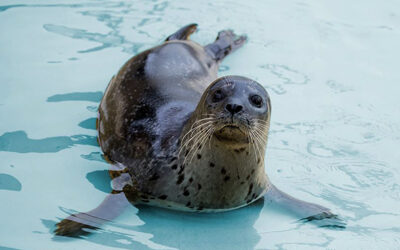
<point>71,228</point>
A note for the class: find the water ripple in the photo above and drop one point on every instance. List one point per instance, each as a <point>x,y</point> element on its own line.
<point>277,76</point>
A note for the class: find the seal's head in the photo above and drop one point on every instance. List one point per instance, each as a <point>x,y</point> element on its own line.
<point>234,111</point>
<point>240,108</point>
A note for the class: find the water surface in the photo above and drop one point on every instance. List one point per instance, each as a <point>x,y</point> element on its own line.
<point>331,69</point>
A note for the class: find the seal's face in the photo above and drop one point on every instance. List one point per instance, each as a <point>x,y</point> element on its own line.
<point>240,108</point>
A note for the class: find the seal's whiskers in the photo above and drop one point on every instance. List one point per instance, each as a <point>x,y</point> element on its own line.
<point>198,135</point>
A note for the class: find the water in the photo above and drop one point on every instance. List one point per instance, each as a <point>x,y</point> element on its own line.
<point>331,69</point>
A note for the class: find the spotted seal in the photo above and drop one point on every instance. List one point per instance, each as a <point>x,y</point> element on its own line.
<point>179,137</point>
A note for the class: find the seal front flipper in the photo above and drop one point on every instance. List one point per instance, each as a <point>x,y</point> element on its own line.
<point>226,43</point>
<point>308,212</point>
<point>74,225</point>
<point>183,33</point>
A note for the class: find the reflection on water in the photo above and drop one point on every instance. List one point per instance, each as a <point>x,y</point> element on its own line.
<point>19,142</point>
<point>88,123</point>
<point>185,230</point>
<point>100,180</point>
<point>176,230</point>
<point>93,156</point>
<point>9,182</point>
<point>77,96</point>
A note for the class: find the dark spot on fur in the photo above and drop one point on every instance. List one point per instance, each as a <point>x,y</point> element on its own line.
<point>162,197</point>
<point>242,183</point>
<point>250,189</point>
<point>198,156</point>
<point>240,150</point>
<point>188,204</point>
<point>252,171</point>
<point>154,177</point>
<point>258,161</point>
<point>223,171</point>
<point>172,159</point>
<point>248,177</point>
<point>190,179</point>
<point>181,177</point>
<point>181,169</point>
<point>144,196</point>
<point>227,178</point>
<point>200,208</point>
<point>174,166</point>
<point>212,164</point>
<point>186,192</point>
<point>187,152</point>
<point>247,152</point>
<point>251,199</point>
<point>198,186</point>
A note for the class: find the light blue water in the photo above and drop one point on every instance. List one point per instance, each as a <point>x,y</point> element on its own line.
<point>331,68</point>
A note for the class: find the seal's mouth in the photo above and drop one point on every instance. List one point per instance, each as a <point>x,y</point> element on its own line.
<point>231,126</point>
<point>234,132</point>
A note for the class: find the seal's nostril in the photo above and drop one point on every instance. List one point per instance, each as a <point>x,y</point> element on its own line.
<point>238,108</point>
<point>234,108</point>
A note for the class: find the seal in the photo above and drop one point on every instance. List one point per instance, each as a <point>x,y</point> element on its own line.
<point>179,137</point>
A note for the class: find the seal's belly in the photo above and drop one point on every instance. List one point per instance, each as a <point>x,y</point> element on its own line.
<point>152,201</point>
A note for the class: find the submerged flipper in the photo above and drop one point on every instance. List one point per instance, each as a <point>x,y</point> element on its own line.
<point>74,225</point>
<point>183,33</point>
<point>226,43</point>
<point>308,212</point>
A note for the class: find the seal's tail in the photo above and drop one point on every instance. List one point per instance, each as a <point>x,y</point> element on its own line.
<point>226,43</point>
<point>183,33</point>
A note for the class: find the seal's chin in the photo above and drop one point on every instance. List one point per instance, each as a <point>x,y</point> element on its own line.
<point>232,133</point>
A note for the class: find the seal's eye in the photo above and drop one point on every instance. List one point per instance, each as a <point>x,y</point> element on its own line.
<point>256,100</point>
<point>218,96</point>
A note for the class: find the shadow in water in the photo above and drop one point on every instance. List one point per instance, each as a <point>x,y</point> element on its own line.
<point>77,96</point>
<point>101,180</point>
<point>88,123</point>
<point>18,141</point>
<point>9,182</point>
<point>164,228</point>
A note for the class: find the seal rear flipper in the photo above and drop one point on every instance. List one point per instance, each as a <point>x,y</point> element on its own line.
<point>226,43</point>
<point>308,212</point>
<point>74,225</point>
<point>183,33</point>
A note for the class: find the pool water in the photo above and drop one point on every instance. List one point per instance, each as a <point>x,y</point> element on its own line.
<point>331,68</point>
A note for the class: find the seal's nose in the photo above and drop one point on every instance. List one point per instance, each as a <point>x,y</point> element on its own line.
<point>233,108</point>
